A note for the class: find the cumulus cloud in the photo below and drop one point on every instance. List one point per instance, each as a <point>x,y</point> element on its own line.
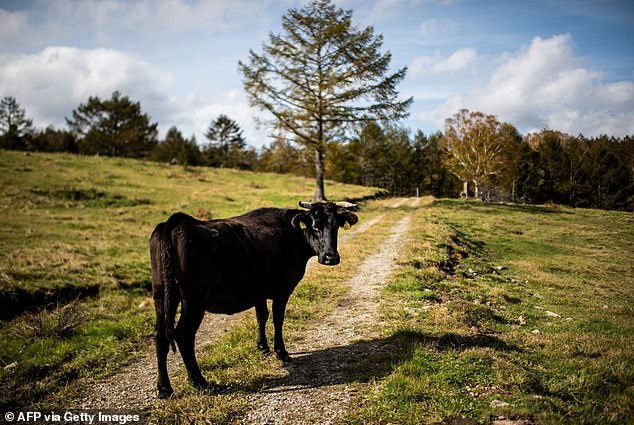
<point>546,86</point>
<point>457,61</point>
<point>53,82</point>
<point>111,22</point>
<point>50,84</point>
<point>194,114</point>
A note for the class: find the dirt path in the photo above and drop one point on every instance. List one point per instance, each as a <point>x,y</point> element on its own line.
<point>316,389</point>
<point>307,391</point>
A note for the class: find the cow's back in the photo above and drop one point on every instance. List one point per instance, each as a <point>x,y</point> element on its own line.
<point>230,264</point>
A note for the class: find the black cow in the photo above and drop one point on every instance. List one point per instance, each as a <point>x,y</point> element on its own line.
<point>230,265</point>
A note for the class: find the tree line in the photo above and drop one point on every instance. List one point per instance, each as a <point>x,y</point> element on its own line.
<point>118,127</point>
<point>547,166</point>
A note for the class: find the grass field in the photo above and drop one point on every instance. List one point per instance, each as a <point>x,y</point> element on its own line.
<point>509,311</point>
<point>74,237</point>
<point>495,311</point>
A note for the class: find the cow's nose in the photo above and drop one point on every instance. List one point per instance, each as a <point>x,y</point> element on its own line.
<point>331,258</point>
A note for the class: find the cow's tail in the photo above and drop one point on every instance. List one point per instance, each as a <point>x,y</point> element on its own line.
<point>166,294</point>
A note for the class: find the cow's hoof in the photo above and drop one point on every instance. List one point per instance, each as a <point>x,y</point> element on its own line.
<point>283,356</point>
<point>264,349</point>
<point>200,384</point>
<point>164,393</point>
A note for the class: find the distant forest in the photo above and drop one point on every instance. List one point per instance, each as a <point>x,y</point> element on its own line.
<point>475,156</point>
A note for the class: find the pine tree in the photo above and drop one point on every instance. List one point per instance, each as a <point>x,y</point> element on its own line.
<point>227,142</point>
<point>321,75</point>
<point>176,149</point>
<point>15,128</point>
<point>113,127</point>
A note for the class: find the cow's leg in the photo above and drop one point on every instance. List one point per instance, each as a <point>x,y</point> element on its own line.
<point>191,317</point>
<point>262,314</point>
<point>279,309</point>
<point>162,348</point>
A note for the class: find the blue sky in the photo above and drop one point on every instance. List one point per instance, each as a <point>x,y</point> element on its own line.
<point>561,64</point>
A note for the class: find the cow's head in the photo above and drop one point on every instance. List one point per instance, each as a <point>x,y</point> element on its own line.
<point>321,223</point>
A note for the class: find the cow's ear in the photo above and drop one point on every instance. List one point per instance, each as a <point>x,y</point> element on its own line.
<point>348,219</point>
<point>301,220</point>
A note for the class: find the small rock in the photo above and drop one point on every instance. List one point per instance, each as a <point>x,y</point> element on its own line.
<point>605,306</point>
<point>499,403</point>
<point>536,331</point>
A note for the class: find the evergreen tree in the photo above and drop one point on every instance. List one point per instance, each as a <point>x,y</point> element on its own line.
<point>113,127</point>
<point>52,140</point>
<point>15,128</point>
<point>227,143</point>
<point>431,175</point>
<point>321,75</point>
<point>176,149</point>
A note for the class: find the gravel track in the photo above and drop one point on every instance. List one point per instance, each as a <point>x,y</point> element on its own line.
<point>316,390</point>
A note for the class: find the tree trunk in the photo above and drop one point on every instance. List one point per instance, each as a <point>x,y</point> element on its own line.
<point>465,190</point>
<point>476,189</point>
<point>319,175</point>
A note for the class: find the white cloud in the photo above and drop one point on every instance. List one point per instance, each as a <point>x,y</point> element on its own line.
<point>116,22</point>
<point>194,113</point>
<point>545,85</point>
<point>458,61</point>
<point>53,82</point>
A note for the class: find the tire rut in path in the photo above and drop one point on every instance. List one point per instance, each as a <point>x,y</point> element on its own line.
<point>316,389</point>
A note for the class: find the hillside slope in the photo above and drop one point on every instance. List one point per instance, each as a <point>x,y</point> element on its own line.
<point>76,228</point>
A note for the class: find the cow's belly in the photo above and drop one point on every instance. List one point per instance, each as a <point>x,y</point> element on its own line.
<point>226,304</point>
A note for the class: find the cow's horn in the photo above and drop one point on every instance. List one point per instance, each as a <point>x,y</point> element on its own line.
<point>347,205</point>
<point>304,204</point>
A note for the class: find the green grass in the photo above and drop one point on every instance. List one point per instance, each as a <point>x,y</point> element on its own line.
<point>522,312</point>
<point>492,337</point>
<point>76,229</point>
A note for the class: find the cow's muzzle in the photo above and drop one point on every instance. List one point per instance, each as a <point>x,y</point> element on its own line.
<point>330,259</point>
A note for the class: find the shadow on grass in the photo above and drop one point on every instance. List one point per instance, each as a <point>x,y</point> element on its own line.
<point>364,361</point>
<point>15,300</point>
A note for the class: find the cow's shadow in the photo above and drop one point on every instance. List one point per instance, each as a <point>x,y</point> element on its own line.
<point>366,360</point>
